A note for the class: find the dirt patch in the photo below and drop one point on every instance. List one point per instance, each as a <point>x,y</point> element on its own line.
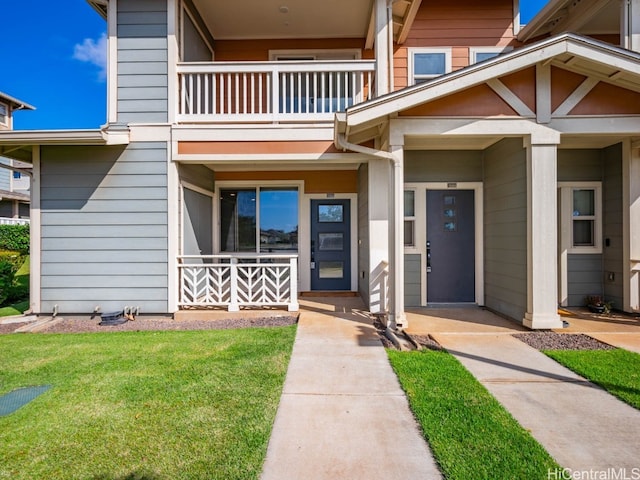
<point>85,325</point>
<point>427,341</point>
<point>561,341</point>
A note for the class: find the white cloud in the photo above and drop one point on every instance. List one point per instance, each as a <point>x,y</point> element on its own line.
<point>93,51</point>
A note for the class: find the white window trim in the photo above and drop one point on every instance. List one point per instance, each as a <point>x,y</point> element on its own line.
<point>317,54</point>
<point>412,248</point>
<point>566,217</point>
<point>225,185</point>
<point>475,50</point>
<point>413,51</point>
<point>7,115</point>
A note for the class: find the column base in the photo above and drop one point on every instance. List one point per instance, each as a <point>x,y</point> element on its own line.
<point>542,321</point>
<point>398,320</point>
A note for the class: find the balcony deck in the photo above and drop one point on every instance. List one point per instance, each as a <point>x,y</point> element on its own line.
<point>281,91</point>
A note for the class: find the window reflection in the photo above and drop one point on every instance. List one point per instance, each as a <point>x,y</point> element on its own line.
<point>273,212</point>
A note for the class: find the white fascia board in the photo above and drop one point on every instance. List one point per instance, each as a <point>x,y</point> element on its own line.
<point>53,137</point>
<point>603,125</point>
<point>501,65</point>
<point>543,17</point>
<point>216,133</point>
<point>502,126</point>
<point>257,159</point>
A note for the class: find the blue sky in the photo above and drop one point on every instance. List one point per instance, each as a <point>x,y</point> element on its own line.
<point>53,55</point>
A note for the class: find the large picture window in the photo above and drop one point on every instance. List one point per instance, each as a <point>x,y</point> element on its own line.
<point>261,219</point>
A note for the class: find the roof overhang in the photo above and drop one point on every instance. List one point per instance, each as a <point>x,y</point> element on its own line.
<point>15,103</point>
<point>18,144</point>
<point>20,197</point>
<point>572,52</point>
<point>100,6</point>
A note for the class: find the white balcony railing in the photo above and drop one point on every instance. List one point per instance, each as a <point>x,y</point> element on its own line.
<point>14,221</point>
<point>239,280</point>
<point>272,91</point>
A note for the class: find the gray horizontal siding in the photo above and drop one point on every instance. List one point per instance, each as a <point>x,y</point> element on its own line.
<point>612,225</point>
<point>142,61</point>
<point>412,280</point>
<point>104,228</point>
<point>443,166</point>
<point>505,228</point>
<point>580,165</point>
<point>584,277</point>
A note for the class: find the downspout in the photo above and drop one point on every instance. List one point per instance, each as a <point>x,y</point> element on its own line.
<point>397,318</point>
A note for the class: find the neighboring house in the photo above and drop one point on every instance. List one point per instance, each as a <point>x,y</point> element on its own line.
<point>470,161</point>
<point>14,175</point>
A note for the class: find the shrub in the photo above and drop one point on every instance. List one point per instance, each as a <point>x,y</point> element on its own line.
<point>14,237</point>
<point>11,287</point>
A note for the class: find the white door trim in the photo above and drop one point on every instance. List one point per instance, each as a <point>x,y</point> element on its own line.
<point>305,236</point>
<point>420,246</point>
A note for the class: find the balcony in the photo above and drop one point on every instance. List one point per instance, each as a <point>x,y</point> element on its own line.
<point>260,92</point>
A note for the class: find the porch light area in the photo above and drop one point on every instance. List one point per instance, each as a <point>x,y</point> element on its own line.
<point>275,91</point>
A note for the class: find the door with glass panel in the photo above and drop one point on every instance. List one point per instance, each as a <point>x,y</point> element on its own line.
<point>330,245</point>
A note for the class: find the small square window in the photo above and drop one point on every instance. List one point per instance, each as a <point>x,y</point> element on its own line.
<point>17,175</point>
<point>330,213</point>
<point>581,216</point>
<point>429,63</point>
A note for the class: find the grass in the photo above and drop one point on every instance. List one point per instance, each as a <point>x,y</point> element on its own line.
<point>471,435</point>
<point>617,371</point>
<point>143,405</point>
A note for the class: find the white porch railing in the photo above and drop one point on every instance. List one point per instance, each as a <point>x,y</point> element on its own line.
<point>272,91</point>
<point>14,221</point>
<point>239,280</point>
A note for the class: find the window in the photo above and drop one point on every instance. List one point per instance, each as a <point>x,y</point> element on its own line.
<point>480,54</point>
<point>409,218</point>
<point>263,219</point>
<point>581,217</point>
<point>4,114</point>
<point>427,63</point>
<point>17,175</point>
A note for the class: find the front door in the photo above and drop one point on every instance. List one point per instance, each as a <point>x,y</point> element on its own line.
<point>330,245</point>
<point>450,246</point>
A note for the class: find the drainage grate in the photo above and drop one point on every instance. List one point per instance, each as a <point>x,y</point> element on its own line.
<point>12,401</point>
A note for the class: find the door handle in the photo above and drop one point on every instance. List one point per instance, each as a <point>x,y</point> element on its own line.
<point>428,256</point>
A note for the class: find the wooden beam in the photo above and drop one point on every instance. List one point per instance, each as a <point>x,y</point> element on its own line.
<point>409,17</point>
<point>511,98</point>
<point>543,93</point>
<point>576,97</point>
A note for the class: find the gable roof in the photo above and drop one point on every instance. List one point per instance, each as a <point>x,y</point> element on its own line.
<point>15,103</point>
<point>571,52</point>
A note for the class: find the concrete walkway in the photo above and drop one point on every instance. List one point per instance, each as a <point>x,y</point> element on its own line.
<point>579,424</point>
<point>342,414</point>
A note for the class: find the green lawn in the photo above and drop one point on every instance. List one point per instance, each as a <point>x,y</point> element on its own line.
<point>471,435</point>
<point>617,371</point>
<point>142,405</point>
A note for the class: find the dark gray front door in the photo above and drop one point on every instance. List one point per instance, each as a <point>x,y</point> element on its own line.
<point>450,246</point>
<point>330,245</point>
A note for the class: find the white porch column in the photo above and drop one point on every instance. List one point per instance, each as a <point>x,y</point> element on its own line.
<point>382,47</point>
<point>542,237</point>
<point>379,228</point>
<point>397,317</point>
<point>631,225</point>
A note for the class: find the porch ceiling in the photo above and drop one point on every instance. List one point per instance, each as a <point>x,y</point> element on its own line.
<point>253,19</point>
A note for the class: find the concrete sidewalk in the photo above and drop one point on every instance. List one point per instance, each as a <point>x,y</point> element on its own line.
<point>582,426</point>
<point>342,414</point>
